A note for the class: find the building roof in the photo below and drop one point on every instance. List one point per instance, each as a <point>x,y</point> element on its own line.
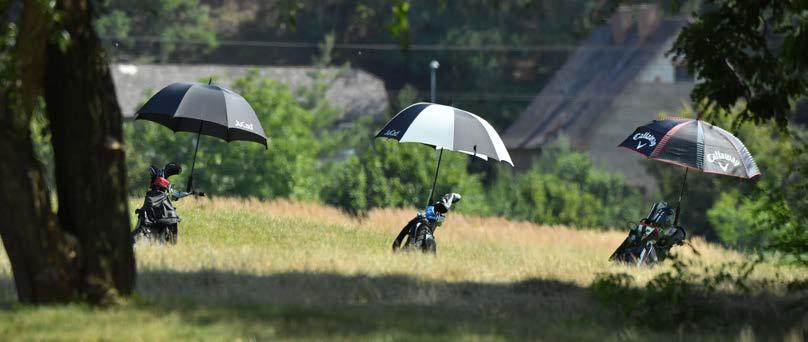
<point>355,92</point>
<point>582,91</point>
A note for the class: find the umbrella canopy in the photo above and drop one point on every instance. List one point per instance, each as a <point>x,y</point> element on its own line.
<point>446,127</point>
<point>204,109</point>
<point>695,145</point>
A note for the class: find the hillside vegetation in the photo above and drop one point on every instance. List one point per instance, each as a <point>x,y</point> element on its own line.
<point>246,269</point>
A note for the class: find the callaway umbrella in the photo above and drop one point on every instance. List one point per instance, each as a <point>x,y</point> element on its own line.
<point>693,144</point>
<point>446,128</point>
<point>203,109</point>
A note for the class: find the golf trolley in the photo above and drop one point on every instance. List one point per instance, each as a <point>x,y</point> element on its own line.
<point>157,219</point>
<point>650,240</point>
<point>420,231</point>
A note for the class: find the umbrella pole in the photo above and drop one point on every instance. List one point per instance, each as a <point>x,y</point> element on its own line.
<point>435,181</point>
<point>189,187</point>
<point>679,204</point>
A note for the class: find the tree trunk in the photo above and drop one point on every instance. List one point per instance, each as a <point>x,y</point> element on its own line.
<point>86,128</point>
<point>41,255</point>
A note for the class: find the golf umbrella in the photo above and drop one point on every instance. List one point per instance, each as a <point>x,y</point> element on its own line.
<point>446,128</point>
<point>693,144</point>
<point>204,109</point>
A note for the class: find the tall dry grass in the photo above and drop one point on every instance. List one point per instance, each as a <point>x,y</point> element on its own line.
<point>248,235</point>
<point>250,269</point>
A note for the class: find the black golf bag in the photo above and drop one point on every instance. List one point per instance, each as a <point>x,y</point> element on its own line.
<point>157,219</point>
<point>420,231</point>
<point>650,241</point>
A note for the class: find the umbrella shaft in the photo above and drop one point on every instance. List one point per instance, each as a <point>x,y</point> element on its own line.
<point>435,181</point>
<point>679,204</point>
<point>189,187</point>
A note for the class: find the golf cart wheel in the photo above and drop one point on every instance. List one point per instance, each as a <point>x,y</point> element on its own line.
<point>171,234</point>
<point>430,246</point>
<point>140,234</point>
<point>648,257</point>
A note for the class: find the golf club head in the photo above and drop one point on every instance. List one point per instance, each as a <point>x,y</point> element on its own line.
<point>154,173</point>
<point>445,203</point>
<point>171,169</point>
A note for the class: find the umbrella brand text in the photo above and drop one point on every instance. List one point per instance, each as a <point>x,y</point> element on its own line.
<point>391,133</point>
<point>645,136</point>
<point>718,156</point>
<point>244,125</point>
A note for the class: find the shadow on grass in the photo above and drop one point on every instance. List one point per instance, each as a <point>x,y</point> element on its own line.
<point>327,305</point>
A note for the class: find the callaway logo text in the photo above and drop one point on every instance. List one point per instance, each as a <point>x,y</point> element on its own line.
<point>244,125</point>
<point>722,159</point>
<point>645,136</point>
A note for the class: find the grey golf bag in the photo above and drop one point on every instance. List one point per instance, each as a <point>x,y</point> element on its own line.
<point>157,219</point>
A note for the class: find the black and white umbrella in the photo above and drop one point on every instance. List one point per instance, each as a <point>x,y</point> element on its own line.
<point>204,109</point>
<point>446,127</point>
<point>693,144</point>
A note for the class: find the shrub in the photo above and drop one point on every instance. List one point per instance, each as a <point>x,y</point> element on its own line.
<point>565,187</point>
<point>389,174</point>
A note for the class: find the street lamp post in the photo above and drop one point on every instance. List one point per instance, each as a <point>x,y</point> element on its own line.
<point>433,68</point>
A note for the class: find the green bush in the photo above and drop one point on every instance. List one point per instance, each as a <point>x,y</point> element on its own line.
<point>733,219</point>
<point>565,187</point>
<point>691,295</point>
<point>388,174</point>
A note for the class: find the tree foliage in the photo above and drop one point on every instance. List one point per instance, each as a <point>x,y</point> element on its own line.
<point>164,21</point>
<point>751,50</point>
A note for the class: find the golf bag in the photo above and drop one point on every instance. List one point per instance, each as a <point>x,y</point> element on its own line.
<point>157,219</point>
<point>420,231</point>
<point>650,241</point>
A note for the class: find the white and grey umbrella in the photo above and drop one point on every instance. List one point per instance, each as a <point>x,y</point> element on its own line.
<point>205,109</point>
<point>446,128</point>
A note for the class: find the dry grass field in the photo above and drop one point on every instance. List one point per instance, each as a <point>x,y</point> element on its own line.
<point>252,270</point>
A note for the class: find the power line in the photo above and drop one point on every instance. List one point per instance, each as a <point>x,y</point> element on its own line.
<point>387,47</point>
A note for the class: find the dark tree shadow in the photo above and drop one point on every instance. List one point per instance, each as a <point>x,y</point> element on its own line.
<point>302,304</point>
<point>327,305</point>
